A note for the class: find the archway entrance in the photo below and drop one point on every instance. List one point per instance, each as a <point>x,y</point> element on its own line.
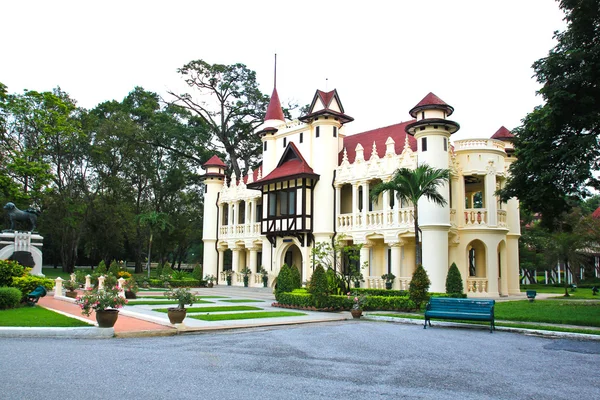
<point>292,256</point>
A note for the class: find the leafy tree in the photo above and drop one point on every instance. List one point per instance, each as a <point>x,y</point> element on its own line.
<point>557,146</point>
<point>237,108</point>
<point>419,286</point>
<point>410,185</point>
<point>454,283</point>
<point>334,257</point>
<point>155,222</point>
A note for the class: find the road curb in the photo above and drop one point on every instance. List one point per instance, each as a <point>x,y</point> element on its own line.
<point>71,333</point>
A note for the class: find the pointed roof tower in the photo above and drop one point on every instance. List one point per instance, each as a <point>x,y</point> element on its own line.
<point>215,168</point>
<point>326,104</point>
<point>432,111</point>
<point>503,134</point>
<point>274,116</point>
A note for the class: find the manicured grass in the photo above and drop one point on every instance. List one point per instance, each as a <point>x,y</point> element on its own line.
<point>253,315</point>
<point>215,309</point>
<point>198,297</point>
<point>506,324</point>
<point>551,311</point>
<point>37,317</point>
<point>243,301</point>
<point>160,302</point>
<point>580,293</point>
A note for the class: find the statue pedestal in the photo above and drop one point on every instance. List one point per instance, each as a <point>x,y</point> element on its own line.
<point>22,242</point>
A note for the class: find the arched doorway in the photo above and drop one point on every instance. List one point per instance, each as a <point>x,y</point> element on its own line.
<point>292,256</point>
<point>477,280</point>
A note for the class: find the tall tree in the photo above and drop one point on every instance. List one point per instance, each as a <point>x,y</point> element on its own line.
<point>410,185</point>
<point>235,106</point>
<point>557,147</point>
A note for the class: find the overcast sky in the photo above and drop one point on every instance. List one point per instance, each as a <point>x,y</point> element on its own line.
<point>383,57</point>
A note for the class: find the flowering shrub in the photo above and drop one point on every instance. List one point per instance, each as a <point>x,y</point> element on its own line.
<point>124,275</point>
<point>358,300</point>
<point>182,295</point>
<point>95,300</point>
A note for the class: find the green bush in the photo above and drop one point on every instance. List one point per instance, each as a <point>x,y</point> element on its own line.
<point>80,277</point>
<point>155,282</point>
<point>296,278</point>
<point>178,275</point>
<point>372,303</point>
<point>167,270</point>
<point>318,285</point>
<point>185,282</point>
<point>388,303</point>
<point>382,292</point>
<point>419,285</point>
<point>454,283</point>
<point>110,281</point>
<point>295,299</point>
<point>26,284</point>
<point>159,269</point>
<point>285,279</point>
<point>9,270</point>
<point>101,270</point>
<point>114,268</point>
<point>10,297</point>
<point>197,272</point>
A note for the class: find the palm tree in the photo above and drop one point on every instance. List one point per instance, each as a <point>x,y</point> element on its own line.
<point>409,186</point>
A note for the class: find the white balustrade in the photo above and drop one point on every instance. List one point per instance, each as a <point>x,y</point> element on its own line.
<point>376,219</point>
<point>453,218</point>
<point>502,219</point>
<point>477,285</point>
<point>475,217</point>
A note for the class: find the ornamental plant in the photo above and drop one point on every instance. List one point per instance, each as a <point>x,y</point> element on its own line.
<point>182,295</point>
<point>100,300</point>
<point>358,300</point>
<point>419,286</point>
<point>210,278</point>
<point>454,283</point>
<point>246,272</point>
<point>70,285</point>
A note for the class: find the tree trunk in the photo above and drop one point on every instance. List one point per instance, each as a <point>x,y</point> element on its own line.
<point>566,265</point>
<point>418,259</point>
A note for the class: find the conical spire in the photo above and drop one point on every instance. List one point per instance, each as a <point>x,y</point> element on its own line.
<point>274,111</point>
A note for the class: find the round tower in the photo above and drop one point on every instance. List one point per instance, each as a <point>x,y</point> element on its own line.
<point>432,131</point>
<point>267,130</point>
<point>213,179</point>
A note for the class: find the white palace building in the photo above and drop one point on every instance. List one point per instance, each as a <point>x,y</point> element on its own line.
<point>314,184</point>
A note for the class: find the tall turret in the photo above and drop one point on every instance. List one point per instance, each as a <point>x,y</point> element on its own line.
<point>214,178</point>
<point>432,131</point>
<point>325,117</point>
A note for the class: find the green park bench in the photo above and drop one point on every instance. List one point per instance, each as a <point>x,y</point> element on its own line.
<point>34,296</point>
<point>461,309</point>
<point>531,295</point>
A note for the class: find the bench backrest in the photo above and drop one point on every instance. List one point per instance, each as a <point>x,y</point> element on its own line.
<point>448,303</point>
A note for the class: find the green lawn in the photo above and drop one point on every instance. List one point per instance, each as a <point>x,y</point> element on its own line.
<point>198,297</point>
<point>161,302</point>
<point>243,301</point>
<point>252,315</point>
<point>37,317</point>
<point>552,311</point>
<point>215,309</point>
<point>581,293</point>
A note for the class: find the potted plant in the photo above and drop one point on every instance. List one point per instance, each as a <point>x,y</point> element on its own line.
<point>71,287</point>
<point>228,274</point>
<point>131,288</point>
<point>265,276</point>
<point>389,280</point>
<point>210,280</point>
<point>358,300</point>
<point>183,297</point>
<point>105,303</point>
<point>246,273</point>
<point>356,277</point>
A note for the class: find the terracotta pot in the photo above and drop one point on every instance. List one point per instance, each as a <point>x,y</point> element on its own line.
<point>107,318</point>
<point>210,284</point>
<point>71,293</point>
<point>176,315</point>
<point>356,313</point>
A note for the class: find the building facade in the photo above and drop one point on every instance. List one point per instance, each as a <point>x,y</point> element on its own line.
<point>314,186</point>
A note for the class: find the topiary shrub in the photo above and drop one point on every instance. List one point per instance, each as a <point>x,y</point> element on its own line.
<point>114,268</point>
<point>9,270</point>
<point>10,297</point>
<point>454,283</point>
<point>197,272</point>
<point>419,286</point>
<point>167,270</point>
<point>318,285</point>
<point>101,270</point>
<point>27,283</point>
<point>285,280</point>
<point>296,278</point>
<point>159,269</point>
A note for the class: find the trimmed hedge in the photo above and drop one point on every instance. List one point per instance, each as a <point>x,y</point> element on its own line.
<point>383,303</point>
<point>10,297</point>
<point>26,284</point>
<point>382,292</point>
<point>176,283</point>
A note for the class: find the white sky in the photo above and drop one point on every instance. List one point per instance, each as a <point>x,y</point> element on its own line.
<point>383,57</point>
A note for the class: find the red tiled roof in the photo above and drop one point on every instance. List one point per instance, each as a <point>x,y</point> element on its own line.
<point>214,161</point>
<point>379,136</point>
<point>326,97</point>
<point>274,110</point>
<point>431,100</point>
<point>503,134</point>
<point>254,175</point>
<point>596,214</point>
<point>289,165</point>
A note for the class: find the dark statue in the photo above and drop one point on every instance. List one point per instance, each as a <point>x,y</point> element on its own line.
<point>30,215</point>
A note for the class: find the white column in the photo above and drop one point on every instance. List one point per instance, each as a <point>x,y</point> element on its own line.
<point>88,282</point>
<point>386,207</point>
<point>253,257</point>
<point>365,252</point>
<point>396,247</point>
<point>338,202</point>
<point>120,283</point>
<point>101,279</point>
<point>235,259</point>
<point>58,287</point>
<point>490,199</point>
<point>365,197</point>
<point>220,264</point>
<point>354,205</point>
